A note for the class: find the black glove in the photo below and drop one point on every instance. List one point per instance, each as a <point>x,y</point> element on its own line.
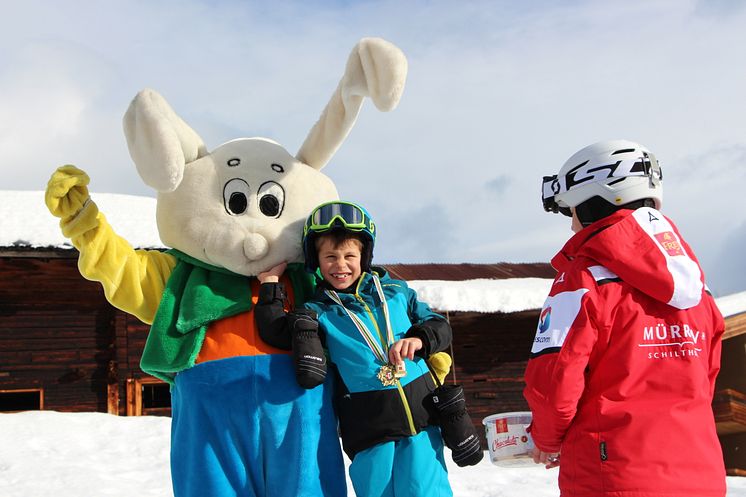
<point>448,404</point>
<point>308,351</point>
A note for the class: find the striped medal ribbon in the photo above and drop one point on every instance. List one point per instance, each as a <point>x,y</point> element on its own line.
<point>387,373</point>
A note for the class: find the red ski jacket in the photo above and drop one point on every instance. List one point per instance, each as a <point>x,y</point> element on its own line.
<point>622,370</point>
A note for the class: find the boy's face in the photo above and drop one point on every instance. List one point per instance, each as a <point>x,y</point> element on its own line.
<point>340,265</point>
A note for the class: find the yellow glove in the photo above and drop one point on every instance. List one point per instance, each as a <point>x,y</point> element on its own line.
<point>67,198</point>
<point>67,192</point>
<point>133,280</point>
<point>441,364</point>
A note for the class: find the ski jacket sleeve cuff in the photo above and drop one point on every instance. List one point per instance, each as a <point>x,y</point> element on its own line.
<point>270,292</point>
<point>435,334</point>
<point>271,319</point>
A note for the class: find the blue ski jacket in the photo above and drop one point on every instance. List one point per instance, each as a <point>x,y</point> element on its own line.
<point>369,412</point>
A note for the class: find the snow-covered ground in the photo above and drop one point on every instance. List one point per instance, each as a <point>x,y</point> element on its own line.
<point>47,453</point>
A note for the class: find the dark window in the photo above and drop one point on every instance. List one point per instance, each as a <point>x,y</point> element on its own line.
<point>20,400</point>
<point>156,396</point>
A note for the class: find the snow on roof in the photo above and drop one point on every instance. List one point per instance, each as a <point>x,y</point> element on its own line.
<point>514,295</point>
<point>482,295</point>
<point>26,222</point>
<point>733,304</point>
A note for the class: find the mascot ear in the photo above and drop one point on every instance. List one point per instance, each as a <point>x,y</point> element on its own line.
<point>375,69</point>
<point>160,143</point>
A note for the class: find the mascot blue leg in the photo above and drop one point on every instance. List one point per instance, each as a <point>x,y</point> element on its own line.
<point>243,427</point>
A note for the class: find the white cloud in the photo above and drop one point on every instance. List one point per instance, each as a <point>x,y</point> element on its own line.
<point>495,90</point>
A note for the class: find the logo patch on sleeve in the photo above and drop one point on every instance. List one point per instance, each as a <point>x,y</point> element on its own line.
<point>557,315</point>
<point>545,319</point>
<point>670,243</point>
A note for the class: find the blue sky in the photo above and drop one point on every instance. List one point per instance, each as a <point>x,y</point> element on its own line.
<point>499,94</point>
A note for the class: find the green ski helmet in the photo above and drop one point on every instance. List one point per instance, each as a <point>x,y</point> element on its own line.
<point>338,215</point>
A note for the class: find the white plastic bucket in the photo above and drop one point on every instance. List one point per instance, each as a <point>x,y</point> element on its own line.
<point>508,442</point>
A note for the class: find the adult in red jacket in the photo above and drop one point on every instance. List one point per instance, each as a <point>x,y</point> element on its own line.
<point>622,370</point>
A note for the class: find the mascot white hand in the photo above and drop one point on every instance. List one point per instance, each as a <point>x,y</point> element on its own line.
<point>241,425</point>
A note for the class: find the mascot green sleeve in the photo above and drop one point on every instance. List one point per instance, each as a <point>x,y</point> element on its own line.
<point>241,425</point>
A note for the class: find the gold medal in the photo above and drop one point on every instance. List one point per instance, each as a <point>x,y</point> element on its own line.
<point>387,375</point>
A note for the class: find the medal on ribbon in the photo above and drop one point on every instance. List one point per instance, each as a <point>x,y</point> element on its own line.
<point>388,374</point>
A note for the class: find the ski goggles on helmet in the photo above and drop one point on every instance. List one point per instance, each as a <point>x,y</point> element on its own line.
<point>588,172</point>
<point>549,188</point>
<point>338,214</point>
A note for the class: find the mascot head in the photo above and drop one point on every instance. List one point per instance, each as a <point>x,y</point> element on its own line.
<point>242,206</point>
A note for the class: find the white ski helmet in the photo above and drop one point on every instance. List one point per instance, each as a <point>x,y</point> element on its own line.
<point>619,171</point>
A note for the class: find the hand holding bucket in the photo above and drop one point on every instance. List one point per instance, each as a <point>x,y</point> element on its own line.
<point>509,443</point>
<point>548,459</point>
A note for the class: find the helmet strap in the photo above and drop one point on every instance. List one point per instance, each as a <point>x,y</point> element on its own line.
<point>366,258</point>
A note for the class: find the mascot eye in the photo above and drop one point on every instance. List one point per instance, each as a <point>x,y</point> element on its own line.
<point>271,199</point>
<point>236,196</point>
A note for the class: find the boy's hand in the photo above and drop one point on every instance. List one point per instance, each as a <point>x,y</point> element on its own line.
<point>272,275</point>
<point>406,347</point>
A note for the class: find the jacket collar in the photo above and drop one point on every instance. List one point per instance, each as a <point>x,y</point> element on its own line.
<point>630,245</point>
<point>574,244</point>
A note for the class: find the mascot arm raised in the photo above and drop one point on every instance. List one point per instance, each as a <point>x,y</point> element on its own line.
<point>133,280</point>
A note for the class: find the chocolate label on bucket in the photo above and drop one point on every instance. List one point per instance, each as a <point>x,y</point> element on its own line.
<point>499,443</point>
<point>508,442</point>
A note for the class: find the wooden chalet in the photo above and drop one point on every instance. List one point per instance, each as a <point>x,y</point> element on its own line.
<point>63,347</point>
<point>729,403</point>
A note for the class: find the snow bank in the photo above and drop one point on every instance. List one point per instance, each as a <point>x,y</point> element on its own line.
<point>52,454</point>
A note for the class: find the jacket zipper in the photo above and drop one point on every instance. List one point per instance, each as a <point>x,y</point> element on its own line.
<point>402,395</point>
<point>406,408</point>
<point>602,448</point>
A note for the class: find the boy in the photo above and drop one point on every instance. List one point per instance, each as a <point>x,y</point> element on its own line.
<point>377,335</point>
<point>622,372</point>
